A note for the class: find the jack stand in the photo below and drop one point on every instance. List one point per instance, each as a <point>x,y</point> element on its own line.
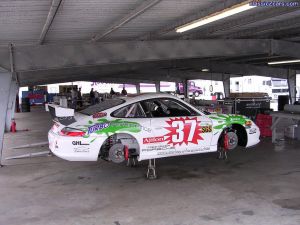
<point>132,161</point>
<point>222,154</point>
<point>151,173</point>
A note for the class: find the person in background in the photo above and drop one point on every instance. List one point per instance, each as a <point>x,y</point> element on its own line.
<point>74,95</point>
<point>79,97</point>
<point>112,92</point>
<point>96,97</point>
<point>92,96</point>
<point>124,92</point>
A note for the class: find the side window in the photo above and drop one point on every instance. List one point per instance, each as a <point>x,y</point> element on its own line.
<point>166,108</point>
<point>176,108</point>
<point>130,111</point>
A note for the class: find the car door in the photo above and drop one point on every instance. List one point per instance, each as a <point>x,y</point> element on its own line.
<point>134,121</point>
<point>177,128</point>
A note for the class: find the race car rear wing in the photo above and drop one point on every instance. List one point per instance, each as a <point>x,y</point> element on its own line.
<point>59,114</point>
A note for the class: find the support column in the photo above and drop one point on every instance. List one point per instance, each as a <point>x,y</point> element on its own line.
<point>292,85</point>
<point>11,104</point>
<point>5,81</point>
<point>226,84</point>
<point>157,86</point>
<point>138,88</point>
<point>185,88</point>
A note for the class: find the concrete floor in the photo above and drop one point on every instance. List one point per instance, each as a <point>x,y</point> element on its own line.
<point>257,186</point>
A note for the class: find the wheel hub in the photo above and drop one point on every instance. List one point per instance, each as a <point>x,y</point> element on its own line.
<point>232,140</point>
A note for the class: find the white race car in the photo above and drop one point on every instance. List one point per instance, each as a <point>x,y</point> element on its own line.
<point>145,127</point>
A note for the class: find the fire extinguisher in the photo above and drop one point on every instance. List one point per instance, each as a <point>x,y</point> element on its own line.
<point>13,126</point>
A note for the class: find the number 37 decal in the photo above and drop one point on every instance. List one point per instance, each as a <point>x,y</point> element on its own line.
<point>184,131</point>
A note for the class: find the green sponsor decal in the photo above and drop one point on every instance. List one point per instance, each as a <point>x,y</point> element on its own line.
<point>104,126</point>
<point>226,120</point>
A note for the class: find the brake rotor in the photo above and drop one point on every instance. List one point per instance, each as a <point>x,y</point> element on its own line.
<point>116,153</point>
<point>232,140</point>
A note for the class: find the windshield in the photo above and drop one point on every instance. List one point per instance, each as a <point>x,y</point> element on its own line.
<point>106,104</point>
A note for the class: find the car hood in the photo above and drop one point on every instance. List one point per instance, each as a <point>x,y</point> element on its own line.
<point>220,121</point>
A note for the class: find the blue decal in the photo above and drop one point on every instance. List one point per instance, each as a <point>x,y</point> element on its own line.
<point>97,126</point>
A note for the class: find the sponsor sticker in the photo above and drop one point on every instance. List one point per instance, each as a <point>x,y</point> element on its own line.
<point>99,115</point>
<point>78,143</point>
<point>97,126</point>
<point>81,149</point>
<point>206,129</point>
<point>151,140</point>
<point>252,131</point>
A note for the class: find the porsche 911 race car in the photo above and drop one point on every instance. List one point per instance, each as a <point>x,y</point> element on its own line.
<point>145,127</point>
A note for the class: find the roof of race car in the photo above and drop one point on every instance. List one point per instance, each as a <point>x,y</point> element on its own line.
<point>118,101</point>
<point>146,96</point>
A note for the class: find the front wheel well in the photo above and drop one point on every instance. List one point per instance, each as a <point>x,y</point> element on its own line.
<point>241,133</point>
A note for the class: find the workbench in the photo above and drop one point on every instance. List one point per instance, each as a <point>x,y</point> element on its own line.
<point>278,116</point>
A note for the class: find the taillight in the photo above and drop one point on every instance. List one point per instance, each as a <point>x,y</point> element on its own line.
<point>72,132</point>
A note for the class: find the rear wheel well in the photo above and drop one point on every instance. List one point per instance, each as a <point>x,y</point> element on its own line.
<point>123,138</point>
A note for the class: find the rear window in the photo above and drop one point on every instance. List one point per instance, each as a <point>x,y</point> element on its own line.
<point>106,104</point>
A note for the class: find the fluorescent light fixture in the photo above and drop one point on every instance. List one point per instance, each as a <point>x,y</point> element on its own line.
<point>284,62</point>
<point>216,16</point>
<point>205,70</point>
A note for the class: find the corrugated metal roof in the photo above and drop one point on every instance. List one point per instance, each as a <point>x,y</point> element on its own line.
<point>258,24</point>
<point>21,21</point>
<point>80,20</point>
<point>165,13</point>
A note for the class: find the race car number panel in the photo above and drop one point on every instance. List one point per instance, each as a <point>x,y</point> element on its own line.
<point>181,135</point>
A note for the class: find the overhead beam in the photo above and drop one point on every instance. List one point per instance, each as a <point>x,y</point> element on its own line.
<point>231,68</point>
<point>227,26</point>
<point>120,78</point>
<point>286,48</point>
<point>154,71</point>
<point>283,34</point>
<point>138,77</point>
<point>127,18</point>
<point>44,57</point>
<point>51,15</point>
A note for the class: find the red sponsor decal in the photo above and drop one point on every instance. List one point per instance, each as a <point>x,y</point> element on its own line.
<point>99,114</point>
<point>183,130</point>
<point>150,140</point>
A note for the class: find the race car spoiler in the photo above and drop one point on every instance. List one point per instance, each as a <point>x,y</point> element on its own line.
<point>64,116</point>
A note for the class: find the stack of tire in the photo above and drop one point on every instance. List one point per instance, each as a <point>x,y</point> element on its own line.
<point>25,105</point>
<point>264,122</point>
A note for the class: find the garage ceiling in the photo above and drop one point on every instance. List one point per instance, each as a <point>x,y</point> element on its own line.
<point>68,40</point>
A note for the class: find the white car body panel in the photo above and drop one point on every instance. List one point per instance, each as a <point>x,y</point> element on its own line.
<point>155,137</point>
